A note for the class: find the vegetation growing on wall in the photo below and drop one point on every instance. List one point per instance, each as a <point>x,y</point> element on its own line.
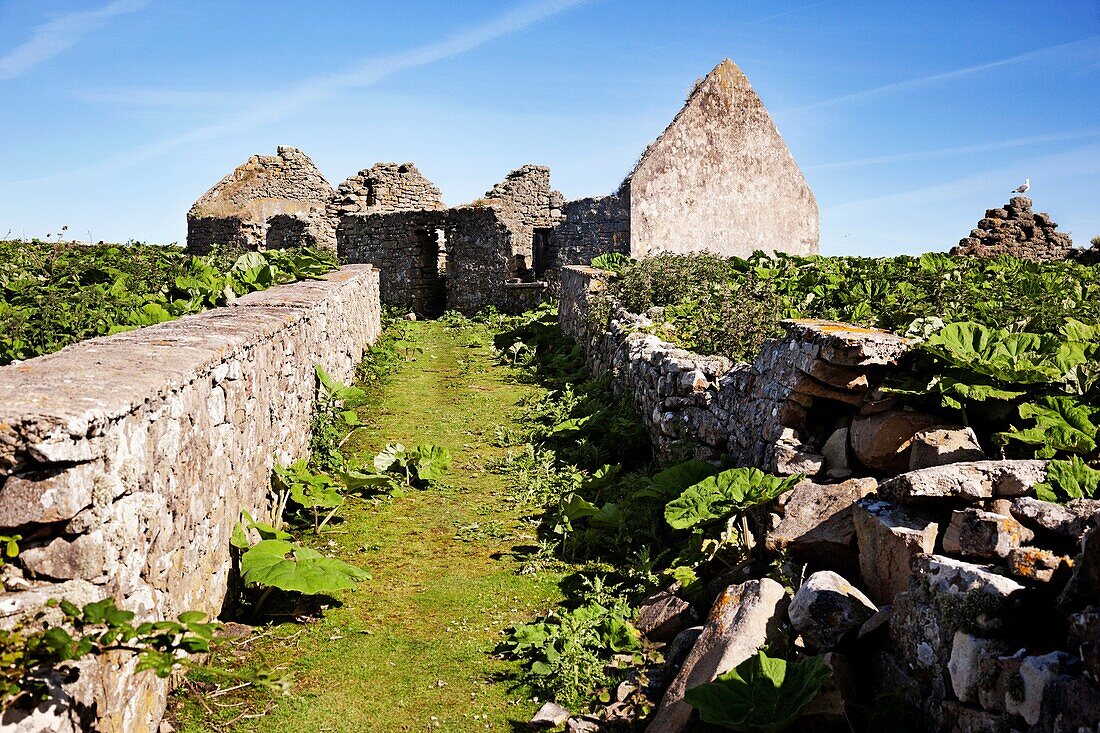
<point>723,306</point>
<point>53,295</point>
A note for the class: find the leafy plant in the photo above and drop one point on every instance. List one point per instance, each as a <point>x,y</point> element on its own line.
<point>569,653</point>
<point>309,490</point>
<point>30,657</point>
<point>9,546</point>
<point>760,694</point>
<point>1069,479</point>
<point>611,261</point>
<point>718,496</point>
<point>423,464</point>
<point>284,565</point>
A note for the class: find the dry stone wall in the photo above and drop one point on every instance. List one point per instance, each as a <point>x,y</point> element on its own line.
<point>706,406</point>
<point>126,460</point>
<point>385,188</point>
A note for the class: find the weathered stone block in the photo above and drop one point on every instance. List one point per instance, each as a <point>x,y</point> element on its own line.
<point>976,533</point>
<point>827,609</point>
<point>967,482</point>
<point>889,537</point>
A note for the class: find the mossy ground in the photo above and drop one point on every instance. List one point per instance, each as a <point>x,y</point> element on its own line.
<point>410,649</point>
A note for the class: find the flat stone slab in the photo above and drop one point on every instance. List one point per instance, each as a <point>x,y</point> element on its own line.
<point>966,482</point>
<point>847,345</point>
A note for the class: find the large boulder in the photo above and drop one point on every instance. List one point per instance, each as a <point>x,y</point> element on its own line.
<point>1056,522</point>
<point>966,483</point>
<point>940,445</point>
<point>882,442</point>
<point>817,525</point>
<point>889,536</point>
<point>743,619</point>
<point>981,534</point>
<point>827,609</point>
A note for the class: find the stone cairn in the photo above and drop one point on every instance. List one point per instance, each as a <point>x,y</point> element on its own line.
<point>1016,230</point>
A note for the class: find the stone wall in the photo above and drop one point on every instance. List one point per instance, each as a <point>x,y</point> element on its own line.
<point>591,227</point>
<point>530,209</point>
<point>1015,230</point>
<point>125,462</point>
<point>720,179</point>
<point>265,186</point>
<point>408,248</point>
<point>706,406</point>
<point>385,188</point>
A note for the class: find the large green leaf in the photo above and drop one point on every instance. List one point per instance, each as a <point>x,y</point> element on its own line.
<point>718,496</point>
<point>1061,424</point>
<point>392,455</point>
<point>1072,479</point>
<point>430,462</point>
<point>761,694</point>
<point>673,480</point>
<point>307,488</point>
<point>290,567</point>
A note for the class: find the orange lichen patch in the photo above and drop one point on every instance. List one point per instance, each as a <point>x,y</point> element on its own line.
<point>1034,563</point>
<point>830,327</point>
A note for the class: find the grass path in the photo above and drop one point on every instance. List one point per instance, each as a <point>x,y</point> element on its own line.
<point>409,649</point>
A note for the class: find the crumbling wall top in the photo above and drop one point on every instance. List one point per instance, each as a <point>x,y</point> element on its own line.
<point>282,183</point>
<point>384,188</point>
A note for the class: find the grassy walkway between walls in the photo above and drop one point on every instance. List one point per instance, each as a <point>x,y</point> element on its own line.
<point>410,649</point>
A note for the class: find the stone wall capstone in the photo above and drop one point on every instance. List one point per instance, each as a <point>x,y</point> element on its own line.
<point>125,462</point>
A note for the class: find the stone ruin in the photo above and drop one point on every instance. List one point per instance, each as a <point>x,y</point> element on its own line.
<point>269,202</point>
<point>718,179</point>
<point>1015,230</point>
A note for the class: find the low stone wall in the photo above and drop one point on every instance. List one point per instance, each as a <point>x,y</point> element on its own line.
<point>126,460</point>
<point>706,406</point>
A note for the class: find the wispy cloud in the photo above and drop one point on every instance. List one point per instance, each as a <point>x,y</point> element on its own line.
<point>923,81</point>
<point>60,34</point>
<point>170,98</point>
<point>961,150</point>
<point>312,91</point>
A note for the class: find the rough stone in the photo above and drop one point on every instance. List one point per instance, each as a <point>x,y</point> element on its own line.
<point>664,615</point>
<point>883,441</point>
<point>835,453</point>
<point>1084,586</point>
<point>679,648</point>
<point>1036,673</point>
<point>967,652</point>
<point>889,536</point>
<point>973,596</point>
<point>743,619</point>
<point>967,482</point>
<point>1065,522</point>
<point>827,609</point>
<point>817,525</point>
<point>1070,704</point>
<point>1037,564</point>
<point>976,533</point>
<point>550,715</point>
<point>940,445</point>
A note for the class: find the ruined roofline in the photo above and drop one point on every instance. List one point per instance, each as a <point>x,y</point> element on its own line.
<point>729,73</point>
<point>216,201</point>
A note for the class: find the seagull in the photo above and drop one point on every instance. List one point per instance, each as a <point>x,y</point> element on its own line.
<point>1023,187</point>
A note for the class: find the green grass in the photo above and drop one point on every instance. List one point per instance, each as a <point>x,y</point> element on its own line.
<point>411,648</point>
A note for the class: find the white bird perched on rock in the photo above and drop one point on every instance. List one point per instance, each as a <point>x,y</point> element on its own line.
<point>1023,187</point>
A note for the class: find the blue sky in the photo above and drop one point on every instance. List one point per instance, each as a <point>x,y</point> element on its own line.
<point>909,119</point>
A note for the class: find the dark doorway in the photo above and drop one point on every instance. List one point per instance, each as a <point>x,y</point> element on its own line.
<point>429,288</point>
<point>540,251</point>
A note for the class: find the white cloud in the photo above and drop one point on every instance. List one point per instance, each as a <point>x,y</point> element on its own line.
<point>60,34</point>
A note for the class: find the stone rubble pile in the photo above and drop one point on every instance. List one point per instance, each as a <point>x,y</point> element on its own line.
<point>1015,230</point>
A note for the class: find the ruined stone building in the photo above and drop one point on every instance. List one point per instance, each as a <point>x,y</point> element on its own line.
<point>718,179</point>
